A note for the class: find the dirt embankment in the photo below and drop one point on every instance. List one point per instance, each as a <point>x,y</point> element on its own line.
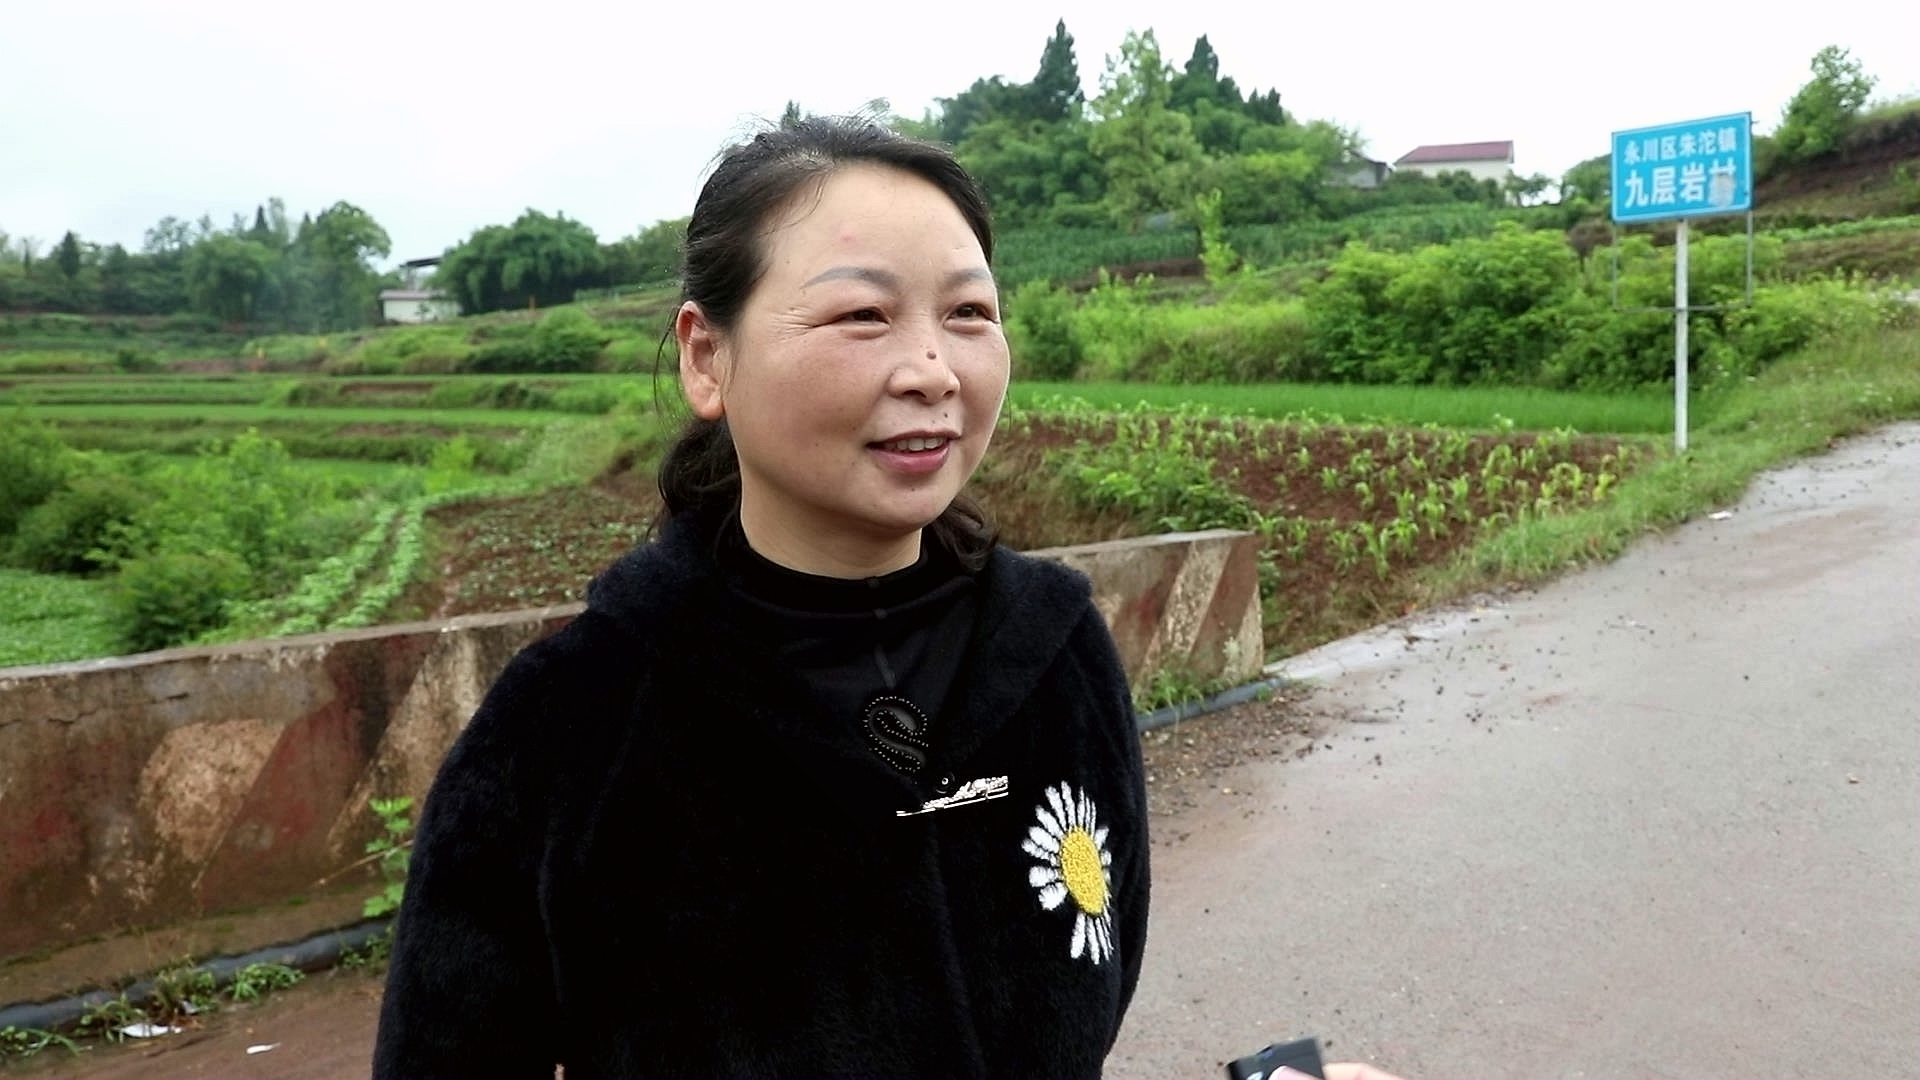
<point>1861,179</point>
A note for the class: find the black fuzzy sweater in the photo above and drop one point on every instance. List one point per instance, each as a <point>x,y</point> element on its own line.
<point>655,852</point>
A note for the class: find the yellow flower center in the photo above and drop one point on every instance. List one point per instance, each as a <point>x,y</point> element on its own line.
<point>1080,869</point>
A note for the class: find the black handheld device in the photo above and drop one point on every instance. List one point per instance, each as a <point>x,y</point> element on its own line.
<point>1302,1055</point>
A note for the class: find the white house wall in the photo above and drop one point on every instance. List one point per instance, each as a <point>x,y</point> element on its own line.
<point>1480,170</point>
<point>419,311</point>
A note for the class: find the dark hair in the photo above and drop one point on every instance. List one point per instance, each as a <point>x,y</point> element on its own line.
<point>725,256</point>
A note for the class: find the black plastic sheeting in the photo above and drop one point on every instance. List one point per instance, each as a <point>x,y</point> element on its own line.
<point>313,954</point>
<point>1225,699</point>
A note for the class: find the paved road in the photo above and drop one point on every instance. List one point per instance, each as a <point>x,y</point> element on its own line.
<point>1659,819</point>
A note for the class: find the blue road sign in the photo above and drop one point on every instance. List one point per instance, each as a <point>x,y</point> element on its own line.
<point>1684,170</point>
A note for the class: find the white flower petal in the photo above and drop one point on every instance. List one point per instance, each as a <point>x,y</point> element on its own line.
<point>1104,928</point>
<point>1079,937</point>
<point>1039,876</point>
<point>1053,826</point>
<point>1046,841</point>
<point>1052,894</point>
<point>1100,839</point>
<point>1060,799</point>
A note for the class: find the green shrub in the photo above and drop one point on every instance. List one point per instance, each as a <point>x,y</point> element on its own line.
<point>568,339</point>
<point>74,531</point>
<point>1822,110</point>
<point>170,597</point>
<point>33,465</point>
<point>1040,332</point>
<point>1110,325</point>
<point>1240,343</point>
<point>243,497</point>
<point>428,349</point>
<point>132,360</point>
<point>637,354</point>
<point>452,465</point>
<point>1477,310</point>
<point>1351,327</point>
<point>1786,317</point>
<point>291,348</point>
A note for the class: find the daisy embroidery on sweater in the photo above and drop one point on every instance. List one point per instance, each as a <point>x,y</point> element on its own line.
<point>1074,863</point>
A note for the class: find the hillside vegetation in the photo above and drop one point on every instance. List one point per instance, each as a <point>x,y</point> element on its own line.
<point>1406,392</point>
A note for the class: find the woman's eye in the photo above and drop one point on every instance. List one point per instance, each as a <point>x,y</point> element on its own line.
<point>864,315</point>
<point>973,311</point>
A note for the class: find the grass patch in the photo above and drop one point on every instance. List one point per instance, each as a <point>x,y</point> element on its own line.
<point>54,361</point>
<point>1881,254</point>
<point>37,391</point>
<point>345,474</point>
<point>268,414</point>
<point>50,618</point>
<point>1471,408</point>
<point>496,449</point>
<point>1799,406</point>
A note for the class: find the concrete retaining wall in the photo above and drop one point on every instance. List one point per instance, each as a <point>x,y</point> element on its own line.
<point>144,790</point>
<point>1184,603</point>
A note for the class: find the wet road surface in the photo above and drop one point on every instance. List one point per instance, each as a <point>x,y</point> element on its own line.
<point>1657,819</point>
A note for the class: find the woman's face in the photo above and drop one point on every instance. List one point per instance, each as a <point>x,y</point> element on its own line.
<point>863,377</point>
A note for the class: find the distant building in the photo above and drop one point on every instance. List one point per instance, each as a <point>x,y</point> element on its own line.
<point>1481,160</point>
<point>417,305</point>
<point>415,302</point>
<point>1360,172</point>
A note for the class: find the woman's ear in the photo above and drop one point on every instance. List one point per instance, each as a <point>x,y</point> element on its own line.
<point>702,362</point>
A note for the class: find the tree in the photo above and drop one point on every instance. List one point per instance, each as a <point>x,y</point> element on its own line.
<point>538,260</point>
<point>1035,173</point>
<point>225,275</point>
<point>1822,111</point>
<point>67,256</point>
<point>1271,187</point>
<point>338,249</point>
<point>985,100</point>
<point>1055,91</point>
<point>1591,180</point>
<point>1525,190</point>
<point>1200,81</point>
<point>791,116</point>
<point>1265,108</point>
<point>168,239</point>
<point>647,257</point>
<point>1149,149</point>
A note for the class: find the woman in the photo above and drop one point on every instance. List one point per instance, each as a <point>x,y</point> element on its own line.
<point>822,783</point>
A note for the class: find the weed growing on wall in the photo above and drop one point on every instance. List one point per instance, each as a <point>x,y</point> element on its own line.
<point>392,849</point>
<point>255,981</point>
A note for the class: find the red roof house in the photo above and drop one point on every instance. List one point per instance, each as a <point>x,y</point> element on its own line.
<point>1483,160</point>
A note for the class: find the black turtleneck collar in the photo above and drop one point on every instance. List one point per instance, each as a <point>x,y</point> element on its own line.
<point>793,590</point>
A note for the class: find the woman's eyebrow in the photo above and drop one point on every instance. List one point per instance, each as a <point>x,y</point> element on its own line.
<point>889,279</point>
<point>856,273</point>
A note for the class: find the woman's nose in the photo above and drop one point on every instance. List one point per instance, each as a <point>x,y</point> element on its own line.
<point>927,373</point>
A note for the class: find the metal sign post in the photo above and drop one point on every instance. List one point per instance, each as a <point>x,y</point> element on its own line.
<point>1680,336</point>
<point>1679,171</point>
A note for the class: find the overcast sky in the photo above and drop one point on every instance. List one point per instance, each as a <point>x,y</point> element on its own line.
<point>438,118</point>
